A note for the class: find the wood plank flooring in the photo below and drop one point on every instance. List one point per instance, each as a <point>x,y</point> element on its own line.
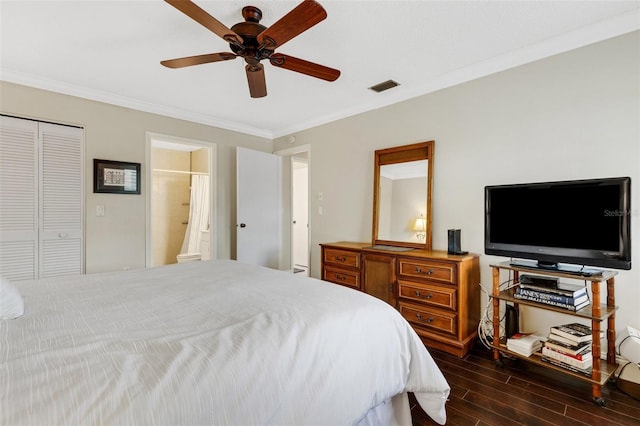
<point>521,393</point>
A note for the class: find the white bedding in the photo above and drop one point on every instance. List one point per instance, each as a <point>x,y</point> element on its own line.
<point>216,342</point>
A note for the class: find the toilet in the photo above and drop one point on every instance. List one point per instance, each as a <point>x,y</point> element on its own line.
<point>188,257</point>
<point>204,250</point>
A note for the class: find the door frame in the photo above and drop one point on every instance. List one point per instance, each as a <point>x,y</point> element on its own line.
<point>213,216</point>
<point>291,152</point>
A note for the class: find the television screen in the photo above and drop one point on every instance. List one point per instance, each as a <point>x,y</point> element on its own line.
<point>583,222</point>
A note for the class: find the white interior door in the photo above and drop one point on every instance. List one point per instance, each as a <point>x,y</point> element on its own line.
<point>258,230</point>
<point>18,198</point>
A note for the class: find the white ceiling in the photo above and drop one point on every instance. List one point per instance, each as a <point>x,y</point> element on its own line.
<point>110,51</point>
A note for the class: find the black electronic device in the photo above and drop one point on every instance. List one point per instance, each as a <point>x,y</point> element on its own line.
<point>580,222</point>
<point>536,280</point>
<point>453,241</point>
<point>512,323</point>
<point>454,246</point>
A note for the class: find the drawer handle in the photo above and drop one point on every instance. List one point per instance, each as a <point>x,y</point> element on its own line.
<point>419,271</point>
<point>341,259</point>
<point>424,296</point>
<point>419,316</point>
<point>341,277</point>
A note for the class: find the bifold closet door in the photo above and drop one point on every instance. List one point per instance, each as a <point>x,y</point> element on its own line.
<point>18,198</point>
<point>41,199</point>
<point>61,200</point>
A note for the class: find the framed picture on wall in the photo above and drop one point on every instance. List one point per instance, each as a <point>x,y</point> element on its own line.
<point>116,177</point>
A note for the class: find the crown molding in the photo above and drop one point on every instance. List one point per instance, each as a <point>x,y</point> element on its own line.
<point>65,88</point>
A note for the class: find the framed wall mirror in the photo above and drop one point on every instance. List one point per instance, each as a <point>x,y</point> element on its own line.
<point>402,185</point>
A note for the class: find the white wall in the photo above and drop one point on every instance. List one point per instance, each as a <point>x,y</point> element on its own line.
<point>575,115</point>
<point>117,240</point>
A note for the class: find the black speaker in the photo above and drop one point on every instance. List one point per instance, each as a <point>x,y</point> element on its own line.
<point>454,246</point>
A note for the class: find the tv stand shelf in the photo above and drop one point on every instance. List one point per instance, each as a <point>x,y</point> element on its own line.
<point>597,312</point>
<point>586,312</point>
<point>565,272</point>
<point>606,370</point>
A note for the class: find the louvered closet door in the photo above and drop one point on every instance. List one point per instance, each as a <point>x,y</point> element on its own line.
<point>18,198</point>
<point>61,201</point>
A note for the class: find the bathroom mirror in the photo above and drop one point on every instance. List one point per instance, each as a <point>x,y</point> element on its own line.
<point>403,179</point>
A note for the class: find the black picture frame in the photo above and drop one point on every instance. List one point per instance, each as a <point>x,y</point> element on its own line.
<point>116,177</point>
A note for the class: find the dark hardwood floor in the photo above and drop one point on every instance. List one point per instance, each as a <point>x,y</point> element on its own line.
<point>522,393</point>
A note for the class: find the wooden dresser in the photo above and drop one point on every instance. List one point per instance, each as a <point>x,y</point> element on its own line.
<point>438,293</point>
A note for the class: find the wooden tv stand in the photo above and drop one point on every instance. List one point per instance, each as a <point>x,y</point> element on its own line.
<point>597,313</point>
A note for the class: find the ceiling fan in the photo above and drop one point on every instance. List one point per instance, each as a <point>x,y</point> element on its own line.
<point>255,42</point>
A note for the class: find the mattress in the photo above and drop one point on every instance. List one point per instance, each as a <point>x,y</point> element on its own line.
<point>216,342</point>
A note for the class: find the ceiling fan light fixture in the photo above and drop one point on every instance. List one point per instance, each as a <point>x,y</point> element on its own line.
<point>385,85</point>
<point>254,42</point>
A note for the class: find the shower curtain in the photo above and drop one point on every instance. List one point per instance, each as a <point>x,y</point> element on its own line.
<point>198,214</point>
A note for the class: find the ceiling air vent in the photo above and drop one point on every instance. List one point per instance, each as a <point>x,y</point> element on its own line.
<point>385,85</point>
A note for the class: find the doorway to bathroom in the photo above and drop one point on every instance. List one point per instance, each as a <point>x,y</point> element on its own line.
<point>180,200</point>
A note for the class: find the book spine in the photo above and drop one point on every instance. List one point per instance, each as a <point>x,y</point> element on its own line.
<point>554,290</point>
<point>569,367</point>
<point>562,339</point>
<point>583,336</point>
<point>579,356</point>
<point>519,351</point>
<point>545,301</point>
<point>568,349</point>
<point>568,359</point>
<point>546,296</point>
<point>577,329</point>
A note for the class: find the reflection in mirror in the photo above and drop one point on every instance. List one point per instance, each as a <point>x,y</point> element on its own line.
<point>402,201</point>
<point>403,178</point>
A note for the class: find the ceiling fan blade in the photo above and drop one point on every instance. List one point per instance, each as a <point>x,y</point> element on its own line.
<point>304,67</point>
<point>257,82</point>
<point>299,19</point>
<point>203,18</point>
<point>198,59</point>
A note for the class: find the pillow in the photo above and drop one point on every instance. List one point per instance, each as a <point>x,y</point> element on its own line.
<point>11,304</point>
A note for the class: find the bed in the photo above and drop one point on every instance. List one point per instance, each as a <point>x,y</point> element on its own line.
<point>215,342</point>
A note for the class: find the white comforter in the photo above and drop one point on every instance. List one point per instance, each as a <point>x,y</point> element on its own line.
<point>215,342</point>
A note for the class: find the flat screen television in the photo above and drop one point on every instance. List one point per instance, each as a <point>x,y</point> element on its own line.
<point>581,223</point>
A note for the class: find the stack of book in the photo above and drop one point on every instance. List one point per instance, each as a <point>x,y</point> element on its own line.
<point>552,292</point>
<point>524,344</point>
<point>569,346</point>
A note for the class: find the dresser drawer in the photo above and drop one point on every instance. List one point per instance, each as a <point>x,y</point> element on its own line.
<point>416,268</point>
<point>342,257</point>
<point>437,296</point>
<point>341,276</point>
<point>441,321</point>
